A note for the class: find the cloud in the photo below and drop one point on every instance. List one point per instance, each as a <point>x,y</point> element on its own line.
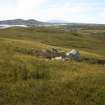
<point>68,10</point>
<point>74,12</point>
<point>21,9</point>
<point>29,4</point>
<point>65,11</point>
<point>28,8</point>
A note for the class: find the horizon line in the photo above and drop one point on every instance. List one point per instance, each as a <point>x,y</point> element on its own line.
<point>65,22</point>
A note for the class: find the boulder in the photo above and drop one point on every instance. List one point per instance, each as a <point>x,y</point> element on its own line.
<point>73,54</point>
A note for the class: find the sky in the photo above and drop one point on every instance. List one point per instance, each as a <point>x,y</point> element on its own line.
<point>81,11</point>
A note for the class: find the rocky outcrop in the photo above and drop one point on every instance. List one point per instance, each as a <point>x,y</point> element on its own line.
<point>73,54</point>
<point>52,53</point>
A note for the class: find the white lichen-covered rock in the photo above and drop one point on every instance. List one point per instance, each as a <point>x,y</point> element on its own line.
<point>58,58</point>
<point>73,54</point>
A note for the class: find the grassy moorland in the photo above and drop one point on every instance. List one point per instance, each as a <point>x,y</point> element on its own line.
<point>29,80</point>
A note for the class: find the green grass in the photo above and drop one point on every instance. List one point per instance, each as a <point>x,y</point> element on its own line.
<point>29,80</point>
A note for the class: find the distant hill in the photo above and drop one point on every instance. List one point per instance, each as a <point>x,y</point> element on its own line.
<point>21,22</point>
<point>33,22</point>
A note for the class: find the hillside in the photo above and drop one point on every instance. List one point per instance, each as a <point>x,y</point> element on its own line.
<point>30,22</point>
<point>26,79</point>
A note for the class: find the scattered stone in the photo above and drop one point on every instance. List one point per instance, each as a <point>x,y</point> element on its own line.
<point>53,53</point>
<point>73,54</point>
<point>58,58</point>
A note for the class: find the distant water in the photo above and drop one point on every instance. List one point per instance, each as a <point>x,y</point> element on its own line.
<point>7,26</point>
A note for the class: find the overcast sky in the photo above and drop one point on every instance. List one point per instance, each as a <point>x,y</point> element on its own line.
<point>86,11</point>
